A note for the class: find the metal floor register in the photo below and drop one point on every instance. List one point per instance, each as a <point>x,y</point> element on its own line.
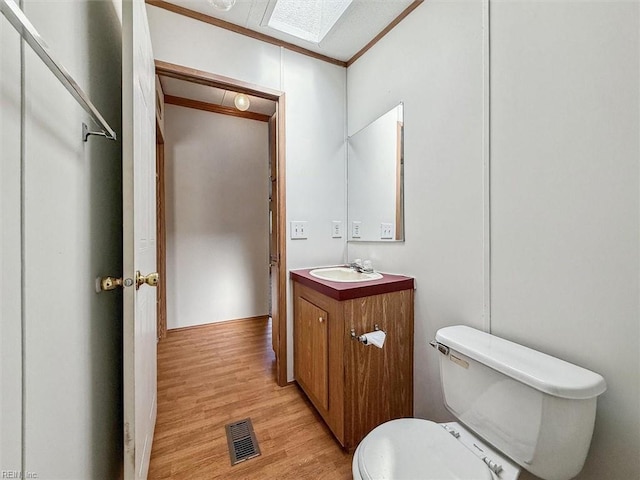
<point>241,440</point>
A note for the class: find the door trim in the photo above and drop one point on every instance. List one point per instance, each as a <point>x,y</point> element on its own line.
<point>161,237</point>
<point>211,79</point>
<point>161,257</point>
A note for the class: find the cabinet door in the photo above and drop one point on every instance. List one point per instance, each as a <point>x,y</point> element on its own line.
<point>378,382</point>
<point>311,353</point>
<point>364,371</point>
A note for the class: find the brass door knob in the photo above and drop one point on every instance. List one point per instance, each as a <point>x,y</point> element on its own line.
<point>110,283</point>
<point>152,279</point>
<point>105,284</point>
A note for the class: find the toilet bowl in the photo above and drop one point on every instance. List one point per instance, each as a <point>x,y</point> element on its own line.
<point>414,449</point>
<point>518,408</point>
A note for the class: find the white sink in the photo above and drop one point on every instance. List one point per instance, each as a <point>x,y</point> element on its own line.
<point>344,274</point>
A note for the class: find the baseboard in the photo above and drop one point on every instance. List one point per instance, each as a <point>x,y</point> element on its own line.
<point>232,320</point>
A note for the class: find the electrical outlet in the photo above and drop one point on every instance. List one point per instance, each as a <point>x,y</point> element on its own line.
<point>298,230</point>
<point>386,231</point>
<point>356,228</point>
<point>336,229</point>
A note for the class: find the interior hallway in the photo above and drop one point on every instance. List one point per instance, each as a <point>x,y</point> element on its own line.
<point>215,374</point>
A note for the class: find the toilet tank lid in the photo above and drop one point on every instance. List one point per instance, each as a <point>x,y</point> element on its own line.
<point>536,369</point>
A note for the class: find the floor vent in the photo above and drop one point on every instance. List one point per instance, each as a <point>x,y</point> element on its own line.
<point>242,441</point>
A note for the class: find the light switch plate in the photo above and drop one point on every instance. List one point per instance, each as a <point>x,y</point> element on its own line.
<point>356,228</point>
<point>336,229</point>
<point>299,230</point>
<point>386,231</point>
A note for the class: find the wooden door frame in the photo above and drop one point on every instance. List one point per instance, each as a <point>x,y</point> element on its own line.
<point>210,79</point>
<point>161,239</point>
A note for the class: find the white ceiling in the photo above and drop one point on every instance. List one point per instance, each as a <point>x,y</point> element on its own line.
<point>212,95</point>
<point>361,22</point>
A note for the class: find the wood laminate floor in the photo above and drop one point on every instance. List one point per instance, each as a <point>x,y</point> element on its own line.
<point>213,375</point>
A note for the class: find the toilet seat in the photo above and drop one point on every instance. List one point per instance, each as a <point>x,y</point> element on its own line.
<point>410,449</point>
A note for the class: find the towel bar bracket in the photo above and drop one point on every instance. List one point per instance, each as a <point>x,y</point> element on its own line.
<point>86,132</point>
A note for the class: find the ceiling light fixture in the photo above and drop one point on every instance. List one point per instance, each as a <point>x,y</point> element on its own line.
<point>242,102</point>
<point>224,5</point>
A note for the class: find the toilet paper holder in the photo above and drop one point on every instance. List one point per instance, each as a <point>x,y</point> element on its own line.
<point>362,338</point>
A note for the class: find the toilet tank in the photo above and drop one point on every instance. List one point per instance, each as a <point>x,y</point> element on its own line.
<point>537,409</point>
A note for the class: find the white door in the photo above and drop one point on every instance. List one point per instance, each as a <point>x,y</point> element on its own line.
<point>139,243</point>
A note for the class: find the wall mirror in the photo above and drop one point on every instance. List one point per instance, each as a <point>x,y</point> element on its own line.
<point>375,178</point>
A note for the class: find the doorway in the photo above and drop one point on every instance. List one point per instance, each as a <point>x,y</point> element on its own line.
<point>277,253</point>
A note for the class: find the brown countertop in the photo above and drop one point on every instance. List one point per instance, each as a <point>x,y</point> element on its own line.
<point>349,290</point>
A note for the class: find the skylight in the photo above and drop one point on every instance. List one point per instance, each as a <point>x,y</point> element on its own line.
<point>310,20</point>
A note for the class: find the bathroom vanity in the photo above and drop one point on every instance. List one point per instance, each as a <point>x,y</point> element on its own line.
<point>354,386</point>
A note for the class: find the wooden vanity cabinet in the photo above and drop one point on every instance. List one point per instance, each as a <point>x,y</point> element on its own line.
<point>354,387</point>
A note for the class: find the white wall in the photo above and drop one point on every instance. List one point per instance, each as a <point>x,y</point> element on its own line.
<point>72,225</point>
<point>433,63</point>
<point>564,189</point>
<point>564,200</point>
<point>315,120</point>
<point>10,258</point>
<point>217,189</point>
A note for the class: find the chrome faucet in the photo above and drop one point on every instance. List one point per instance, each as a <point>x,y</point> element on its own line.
<point>361,267</point>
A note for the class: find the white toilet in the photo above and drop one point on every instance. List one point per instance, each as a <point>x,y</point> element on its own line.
<point>520,408</point>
